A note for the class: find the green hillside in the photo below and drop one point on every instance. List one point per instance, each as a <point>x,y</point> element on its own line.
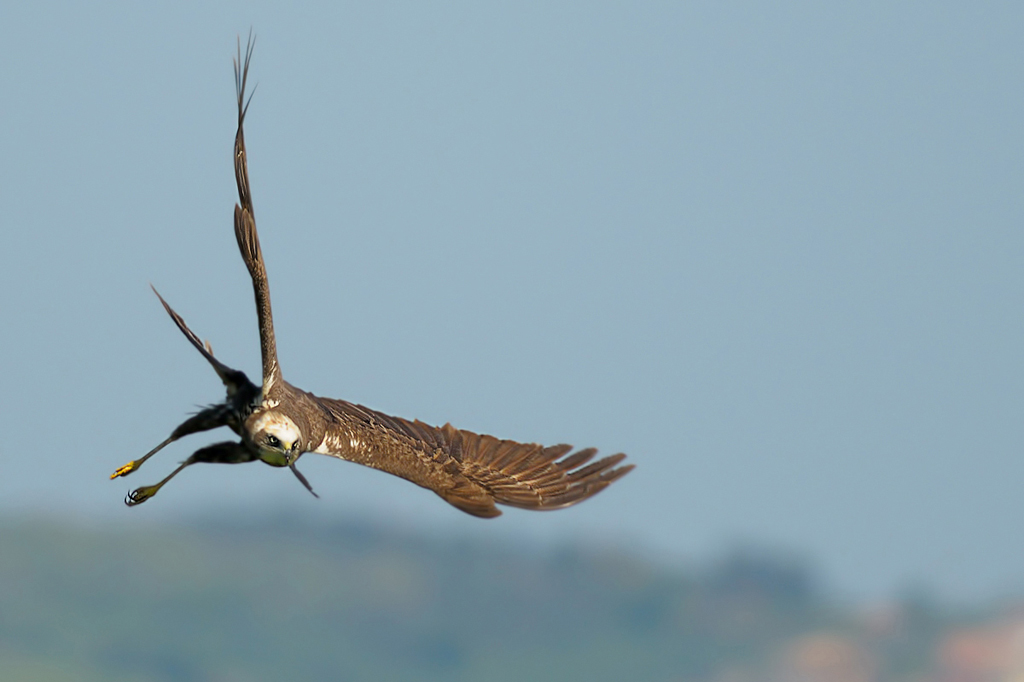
<point>238,602</point>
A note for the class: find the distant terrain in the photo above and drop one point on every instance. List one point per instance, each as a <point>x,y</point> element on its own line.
<point>236,601</point>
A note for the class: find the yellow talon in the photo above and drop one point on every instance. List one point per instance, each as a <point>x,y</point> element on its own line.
<point>126,469</point>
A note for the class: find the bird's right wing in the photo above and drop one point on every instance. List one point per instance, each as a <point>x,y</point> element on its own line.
<point>245,229</point>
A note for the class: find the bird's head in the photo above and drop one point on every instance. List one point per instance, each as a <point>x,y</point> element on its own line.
<point>276,437</point>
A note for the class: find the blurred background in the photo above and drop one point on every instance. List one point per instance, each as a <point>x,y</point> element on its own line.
<point>770,252</point>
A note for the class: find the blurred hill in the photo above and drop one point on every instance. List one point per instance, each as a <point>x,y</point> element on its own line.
<point>284,599</point>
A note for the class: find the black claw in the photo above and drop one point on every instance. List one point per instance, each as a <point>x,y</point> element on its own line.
<point>138,496</point>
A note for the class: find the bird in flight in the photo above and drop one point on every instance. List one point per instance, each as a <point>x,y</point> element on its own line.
<point>278,422</point>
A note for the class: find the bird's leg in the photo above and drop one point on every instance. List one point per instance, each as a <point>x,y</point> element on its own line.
<point>219,453</point>
<point>140,495</point>
<point>136,463</point>
<point>210,418</point>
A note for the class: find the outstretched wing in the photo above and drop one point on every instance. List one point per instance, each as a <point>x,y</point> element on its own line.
<point>234,380</point>
<point>245,228</point>
<point>484,470</point>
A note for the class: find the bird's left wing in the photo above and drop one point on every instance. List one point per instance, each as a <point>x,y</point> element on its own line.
<point>484,470</point>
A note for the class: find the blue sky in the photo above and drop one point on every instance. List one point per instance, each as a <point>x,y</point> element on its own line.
<point>771,252</point>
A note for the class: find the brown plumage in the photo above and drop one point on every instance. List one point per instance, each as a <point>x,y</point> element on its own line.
<point>278,422</point>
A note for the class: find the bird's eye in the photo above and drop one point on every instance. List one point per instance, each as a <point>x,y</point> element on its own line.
<point>295,445</point>
<point>272,441</point>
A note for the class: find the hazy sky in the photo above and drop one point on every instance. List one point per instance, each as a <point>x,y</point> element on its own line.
<point>772,253</point>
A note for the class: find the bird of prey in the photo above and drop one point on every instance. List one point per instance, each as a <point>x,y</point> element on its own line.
<point>278,422</point>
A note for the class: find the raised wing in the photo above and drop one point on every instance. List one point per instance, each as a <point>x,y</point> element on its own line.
<point>245,228</point>
<point>234,380</point>
<point>484,470</point>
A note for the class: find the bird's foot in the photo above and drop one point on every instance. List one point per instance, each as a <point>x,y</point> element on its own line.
<point>126,469</point>
<point>140,495</point>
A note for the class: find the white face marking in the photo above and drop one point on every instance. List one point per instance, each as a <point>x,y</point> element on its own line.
<point>279,426</point>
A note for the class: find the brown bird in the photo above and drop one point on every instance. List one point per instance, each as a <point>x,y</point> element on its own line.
<point>278,422</point>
